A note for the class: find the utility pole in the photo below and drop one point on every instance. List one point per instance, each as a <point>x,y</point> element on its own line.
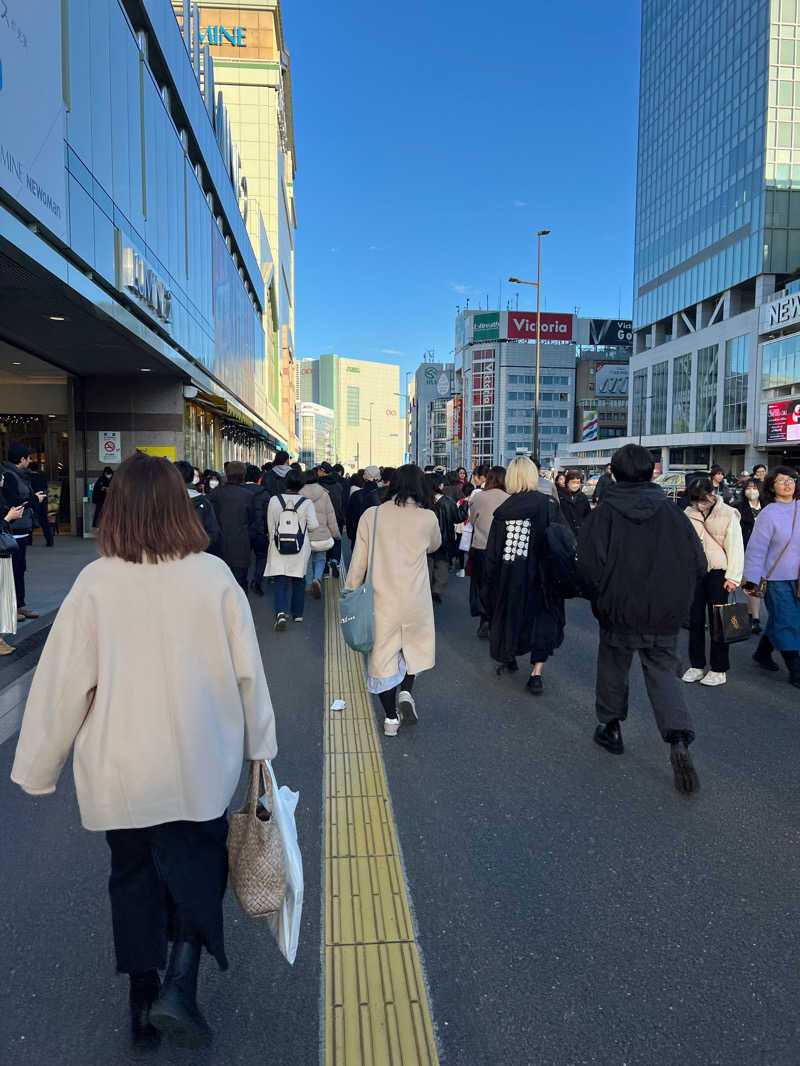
<point>538,285</point>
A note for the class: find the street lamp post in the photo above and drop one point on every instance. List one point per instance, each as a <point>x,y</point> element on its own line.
<point>538,286</point>
<point>372,404</point>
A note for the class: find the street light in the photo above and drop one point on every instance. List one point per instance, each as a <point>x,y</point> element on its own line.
<point>538,285</point>
<point>372,404</point>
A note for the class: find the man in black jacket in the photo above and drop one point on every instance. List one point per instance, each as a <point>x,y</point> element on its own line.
<point>274,480</point>
<point>640,560</point>
<point>332,480</point>
<point>19,493</point>
<point>603,482</point>
<point>259,540</point>
<point>205,512</point>
<point>447,513</point>
<point>233,506</point>
<point>360,501</point>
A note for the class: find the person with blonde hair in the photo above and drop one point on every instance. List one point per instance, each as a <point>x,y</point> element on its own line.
<point>526,613</point>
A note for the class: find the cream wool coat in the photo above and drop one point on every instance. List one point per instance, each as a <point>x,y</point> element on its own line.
<point>154,673</point>
<point>405,536</point>
<point>290,565</point>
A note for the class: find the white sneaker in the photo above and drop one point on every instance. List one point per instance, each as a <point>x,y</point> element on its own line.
<point>298,618</point>
<point>713,678</point>
<point>693,674</point>
<point>280,621</point>
<point>390,727</point>
<point>407,707</point>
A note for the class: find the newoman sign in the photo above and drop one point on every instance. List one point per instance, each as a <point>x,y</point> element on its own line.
<point>779,313</point>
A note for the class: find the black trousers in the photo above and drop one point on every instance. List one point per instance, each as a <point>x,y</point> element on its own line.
<point>709,591</point>
<point>167,882</point>
<point>659,660</point>
<point>477,599</point>
<point>19,564</point>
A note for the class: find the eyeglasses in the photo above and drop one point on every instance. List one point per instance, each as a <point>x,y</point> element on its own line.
<point>785,480</point>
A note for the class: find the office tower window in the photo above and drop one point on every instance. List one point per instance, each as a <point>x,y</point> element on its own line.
<point>737,368</point>
<point>681,393</point>
<point>658,404</point>
<point>639,401</point>
<point>353,407</point>
<point>781,363</point>
<point>705,418</point>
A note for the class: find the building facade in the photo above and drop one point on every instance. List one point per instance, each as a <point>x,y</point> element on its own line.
<point>132,305</point>
<point>252,69</point>
<point>365,397</point>
<point>435,417</point>
<point>315,432</point>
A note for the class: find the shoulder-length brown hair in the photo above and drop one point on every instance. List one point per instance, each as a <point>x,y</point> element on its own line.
<point>147,515</point>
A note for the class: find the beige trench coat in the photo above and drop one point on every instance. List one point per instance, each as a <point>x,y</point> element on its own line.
<point>405,536</point>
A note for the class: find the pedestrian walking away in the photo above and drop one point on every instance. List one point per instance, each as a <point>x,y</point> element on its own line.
<point>406,532</point>
<point>258,528</point>
<point>573,500</point>
<point>291,519</point>
<point>362,499</point>
<point>233,506</point>
<point>274,480</point>
<point>718,527</point>
<point>482,505</point>
<point>447,517</point>
<point>641,561</point>
<point>158,753</point>
<point>332,480</point>
<point>324,535</point>
<point>18,492</point>
<point>773,557</point>
<point>526,614</point>
<point>749,507</point>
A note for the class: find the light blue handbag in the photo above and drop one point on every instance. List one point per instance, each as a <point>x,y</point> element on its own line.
<point>357,608</point>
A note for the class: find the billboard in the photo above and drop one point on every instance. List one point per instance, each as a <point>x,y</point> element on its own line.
<point>555,326</point>
<point>611,379</point>
<point>783,421</point>
<point>486,327</point>
<point>611,332</point>
<point>32,110</point>
<point>590,426</point>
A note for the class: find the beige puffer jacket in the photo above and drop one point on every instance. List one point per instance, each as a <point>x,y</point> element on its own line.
<point>720,534</point>
<point>326,516</point>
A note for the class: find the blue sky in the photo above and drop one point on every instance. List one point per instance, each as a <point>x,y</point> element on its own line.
<point>434,140</point>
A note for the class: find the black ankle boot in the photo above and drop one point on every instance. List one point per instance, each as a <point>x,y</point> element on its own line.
<point>686,779</point>
<point>143,993</point>
<point>609,736</point>
<point>763,655</point>
<point>175,1012</point>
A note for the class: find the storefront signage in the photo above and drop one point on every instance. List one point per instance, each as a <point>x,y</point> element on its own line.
<point>353,369</point>
<point>555,327</point>
<point>486,327</point>
<point>32,169</point>
<point>780,313</point>
<point>611,332</point>
<point>611,379</point>
<point>783,421</point>
<point>110,446</point>
<point>137,277</point>
<point>236,36</point>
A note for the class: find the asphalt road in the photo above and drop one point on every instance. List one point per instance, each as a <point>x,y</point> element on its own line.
<point>572,907</point>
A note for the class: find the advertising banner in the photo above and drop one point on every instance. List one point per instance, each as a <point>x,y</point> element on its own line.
<point>590,426</point>
<point>611,332</point>
<point>443,384</point>
<point>611,379</point>
<point>555,326</point>
<point>486,327</point>
<point>458,415</point>
<point>32,167</point>
<point>160,451</point>
<point>109,446</point>
<point>783,421</point>
<point>449,419</point>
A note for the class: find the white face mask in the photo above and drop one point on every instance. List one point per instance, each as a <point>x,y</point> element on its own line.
<point>195,480</point>
<point>212,483</point>
<point>752,494</point>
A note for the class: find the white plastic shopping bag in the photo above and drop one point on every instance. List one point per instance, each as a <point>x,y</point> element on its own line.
<point>285,924</point>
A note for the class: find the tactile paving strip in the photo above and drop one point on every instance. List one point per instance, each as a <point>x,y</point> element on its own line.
<point>376,1004</point>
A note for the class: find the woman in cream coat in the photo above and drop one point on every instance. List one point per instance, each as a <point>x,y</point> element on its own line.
<point>405,533</point>
<point>289,571</point>
<point>152,671</point>
<point>719,528</point>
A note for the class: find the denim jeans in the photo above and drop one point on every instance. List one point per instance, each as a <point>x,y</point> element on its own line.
<point>284,588</point>
<point>316,566</point>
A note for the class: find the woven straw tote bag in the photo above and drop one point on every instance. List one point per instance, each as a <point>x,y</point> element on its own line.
<point>255,850</point>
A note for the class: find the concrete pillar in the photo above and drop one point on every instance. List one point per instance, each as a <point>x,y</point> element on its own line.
<point>765,287</point>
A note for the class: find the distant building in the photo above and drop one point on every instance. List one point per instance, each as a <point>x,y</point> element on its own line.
<point>365,400</point>
<point>315,431</point>
<point>601,396</point>
<point>435,436</point>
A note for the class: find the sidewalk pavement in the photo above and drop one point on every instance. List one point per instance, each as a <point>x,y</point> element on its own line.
<point>51,572</point>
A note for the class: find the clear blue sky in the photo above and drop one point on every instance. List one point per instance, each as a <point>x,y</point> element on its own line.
<point>433,140</point>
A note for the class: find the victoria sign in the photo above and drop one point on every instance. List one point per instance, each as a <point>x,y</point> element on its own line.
<point>555,326</point>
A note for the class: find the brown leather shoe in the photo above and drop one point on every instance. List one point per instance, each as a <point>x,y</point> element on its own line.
<point>5,649</point>
<point>26,612</point>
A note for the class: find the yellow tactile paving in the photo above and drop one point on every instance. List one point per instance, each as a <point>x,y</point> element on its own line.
<point>376,1004</point>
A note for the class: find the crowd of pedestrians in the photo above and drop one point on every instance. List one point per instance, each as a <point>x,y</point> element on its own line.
<point>178,543</point>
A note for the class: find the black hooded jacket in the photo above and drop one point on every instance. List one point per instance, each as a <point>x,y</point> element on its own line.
<point>640,560</point>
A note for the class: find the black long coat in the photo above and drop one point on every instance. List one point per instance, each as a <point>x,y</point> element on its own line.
<point>525,614</point>
<point>233,506</point>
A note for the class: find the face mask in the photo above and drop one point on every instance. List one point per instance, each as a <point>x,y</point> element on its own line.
<point>752,494</point>
<point>195,480</point>
<point>212,484</point>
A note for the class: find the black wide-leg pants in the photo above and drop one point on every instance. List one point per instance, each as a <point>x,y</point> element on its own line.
<point>167,883</point>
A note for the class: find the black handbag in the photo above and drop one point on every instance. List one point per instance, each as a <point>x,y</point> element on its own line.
<point>730,623</point>
<point>8,544</point>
